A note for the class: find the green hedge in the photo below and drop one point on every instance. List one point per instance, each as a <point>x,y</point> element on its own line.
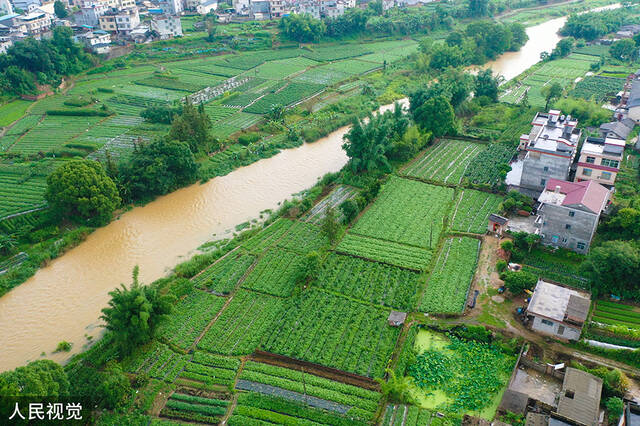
<point>80,112</point>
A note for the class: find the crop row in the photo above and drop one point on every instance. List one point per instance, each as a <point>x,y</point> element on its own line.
<point>336,332</point>
<point>597,88</point>
<point>275,273</point>
<point>192,410</point>
<point>406,415</point>
<point>473,210</point>
<point>407,212</point>
<point>292,93</point>
<point>410,257</point>
<point>337,196</point>
<point>368,281</point>
<point>446,162</point>
<point>170,84</point>
<point>491,165</point>
<point>157,361</point>
<point>222,276</point>
<point>189,318</point>
<point>207,375</point>
<point>303,237</point>
<point>242,325</point>
<point>268,236</point>
<point>282,411</point>
<point>449,282</point>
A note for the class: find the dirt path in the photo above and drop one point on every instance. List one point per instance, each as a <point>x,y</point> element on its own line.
<point>486,276</point>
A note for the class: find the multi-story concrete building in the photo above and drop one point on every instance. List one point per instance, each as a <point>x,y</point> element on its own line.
<point>551,148</point>
<point>569,213</point>
<point>558,311</point>
<point>276,8</point>
<point>5,7</point>
<point>120,21</point>
<point>166,26</point>
<point>24,4</point>
<point>91,13</point>
<point>98,41</point>
<point>600,160</point>
<point>36,22</point>
<point>172,7</point>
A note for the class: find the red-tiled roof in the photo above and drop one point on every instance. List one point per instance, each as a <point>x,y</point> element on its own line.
<point>588,193</point>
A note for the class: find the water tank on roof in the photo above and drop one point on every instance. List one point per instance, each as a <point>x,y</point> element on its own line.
<point>561,118</point>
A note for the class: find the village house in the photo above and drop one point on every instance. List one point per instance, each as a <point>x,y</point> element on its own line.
<point>569,213</point>
<point>550,149</point>
<point>120,21</point>
<point>558,311</point>
<point>207,6</point>
<point>633,99</point>
<point>617,129</point>
<point>166,26</point>
<point>98,41</point>
<point>497,224</point>
<point>600,160</point>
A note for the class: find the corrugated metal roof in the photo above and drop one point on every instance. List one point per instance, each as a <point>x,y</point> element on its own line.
<point>580,397</point>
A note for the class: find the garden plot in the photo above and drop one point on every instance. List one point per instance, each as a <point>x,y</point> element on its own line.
<point>336,332</point>
<point>189,318</point>
<point>457,376</point>
<point>107,130</point>
<point>303,237</point>
<point>322,75</point>
<point>314,391</point>
<point>598,88</point>
<point>171,84</point>
<point>335,53</point>
<point>337,196</point>
<point>371,282</point>
<point>406,415</point>
<point>291,94</point>
<point>213,69</point>
<point>611,313</point>
<point>197,79</point>
<point>275,273</point>
<point>19,192</point>
<point>242,325</point>
<point>241,120</point>
<point>119,147</point>
<point>278,70</point>
<point>268,236</point>
<point>23,125</point>
<point>352,66</point>
<point>490,166</point>
<point>192,408</point>
<point>221,277</point>
<point>156,360</point>
<point>446,162</point>
<point>149,92</point>
<point>472,211</point>
<point>52,133</point>
<point>208,371</point>
<point>255,407</point>
<point>410,257</point>
<point>218,113</point>
<point>407,212</point>
<point>448,284</point>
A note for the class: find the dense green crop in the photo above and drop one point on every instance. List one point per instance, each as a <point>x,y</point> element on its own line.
<point>472,211</point>
<point>410,257</point>
<point>275,273</point>
<point>223,275</point>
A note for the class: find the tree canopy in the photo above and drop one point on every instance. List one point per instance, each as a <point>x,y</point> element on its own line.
<point>42,378</point>
<point>81,190</point>
<point>302,27</point>
<point>192,126</point>
<point>614,267</point>
<point>435,115</point>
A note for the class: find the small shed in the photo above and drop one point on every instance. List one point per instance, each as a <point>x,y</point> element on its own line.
<point>514,401</point>
<point>497,224</point>
<point>396,319</point>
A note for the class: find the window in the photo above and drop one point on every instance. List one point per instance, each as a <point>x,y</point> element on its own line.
<point>546,168</point>
<point>567,226</point>
<point>547,322</point>
<point>554,239</point>
<point>587,172</point>
<point>591,160</point>
<point>561,330</point>
<point>564,240</point>
<point>572,214</point>
<point>610,163</point>
<point>605,176</point>
<point>580,246</point>
<point>543,182</point>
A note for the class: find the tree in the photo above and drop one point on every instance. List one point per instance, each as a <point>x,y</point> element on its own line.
<point>43,378</point>
<point>366,145</point>
<point>192,126</point>
<point>615,407</point>
<point>302,27</point>
<point>589,112</point>
<point>80,189</point>
<point>487,85</point>
<point>624,224</point>
<point>507,245</point>
<point>310,267</point>
<point>330,225</point>
<point>7,244</point>
<point>436,116</point>
<point>134,313</point>
<point>444,56</point>
<point>60,10</point>
<point>532,240</point>
<point>376,7</point>
<point>614,267</point>
<point>551,93</point>
<point>518,281</point>
<point>397,389</point>
<point>563,48</point>
<point>114,388</point>
<point>159,114</point>
<point>478,7</point>
<point>624,50</point>
<point>349,209</point>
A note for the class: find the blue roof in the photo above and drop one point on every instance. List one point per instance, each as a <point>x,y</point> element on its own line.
<point>158,10</point>
<point>10,16</point>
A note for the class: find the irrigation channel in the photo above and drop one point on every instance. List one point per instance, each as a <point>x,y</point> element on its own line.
<point>63,300</point>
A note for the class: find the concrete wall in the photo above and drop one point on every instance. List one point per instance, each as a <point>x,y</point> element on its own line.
<point>554,221</point>
<point>568,333</point>
<point>533,169</point>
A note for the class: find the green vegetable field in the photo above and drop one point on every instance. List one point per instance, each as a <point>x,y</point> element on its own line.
<point>472,211</point>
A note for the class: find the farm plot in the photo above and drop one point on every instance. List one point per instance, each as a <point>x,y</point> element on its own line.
<point>370,282</point>
<point>446,162</point>
<point>406,415</point>
<point>407,212</point>
<point>598,88</point>
<point>207,371</point>
<point>457,376</point>
<point>255,407</point>
<point>19,192</point>
<point>241,120</point>
<point>107,130</point>
<point>410,257</point>
<point>303,238</point>
<point>322,75</point>
<point>472,211</point>
<point>170,84</point>
<point>23,125</point>
<point>611,313</point>
<point>213,69</point>
<point>217,113</point>
<point>278,70</point>
<point>196,78</point>
<point>337,196</point>
<point>242,325</point>
<point>275,273</point>
<point>292,93</point>
<point>51,134</point>
<point>352,66</point>
<point>268,236</point>
<point>156,360</point>
<point>491,165</point>
<point>449,282</point>
<point>315,391</point>
<point>334,53</point>
<point>221,277</point>
<point>12,111</point>
<point>150,92</point>
<point>189,318</point>
<point>336,332</point>
<point>184,406</point>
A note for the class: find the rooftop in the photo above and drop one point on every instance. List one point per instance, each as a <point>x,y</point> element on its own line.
<point>580,397</point>
<point>554,132</point>
<point>552,301</point>
<point>607,146</point>
<point>621,129</point>
<point>586,194</point>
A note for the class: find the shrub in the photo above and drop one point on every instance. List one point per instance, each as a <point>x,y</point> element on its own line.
<point>501,265</point>
<point>63,346</point>
<point>614,406</point>
<point>517,282</point>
